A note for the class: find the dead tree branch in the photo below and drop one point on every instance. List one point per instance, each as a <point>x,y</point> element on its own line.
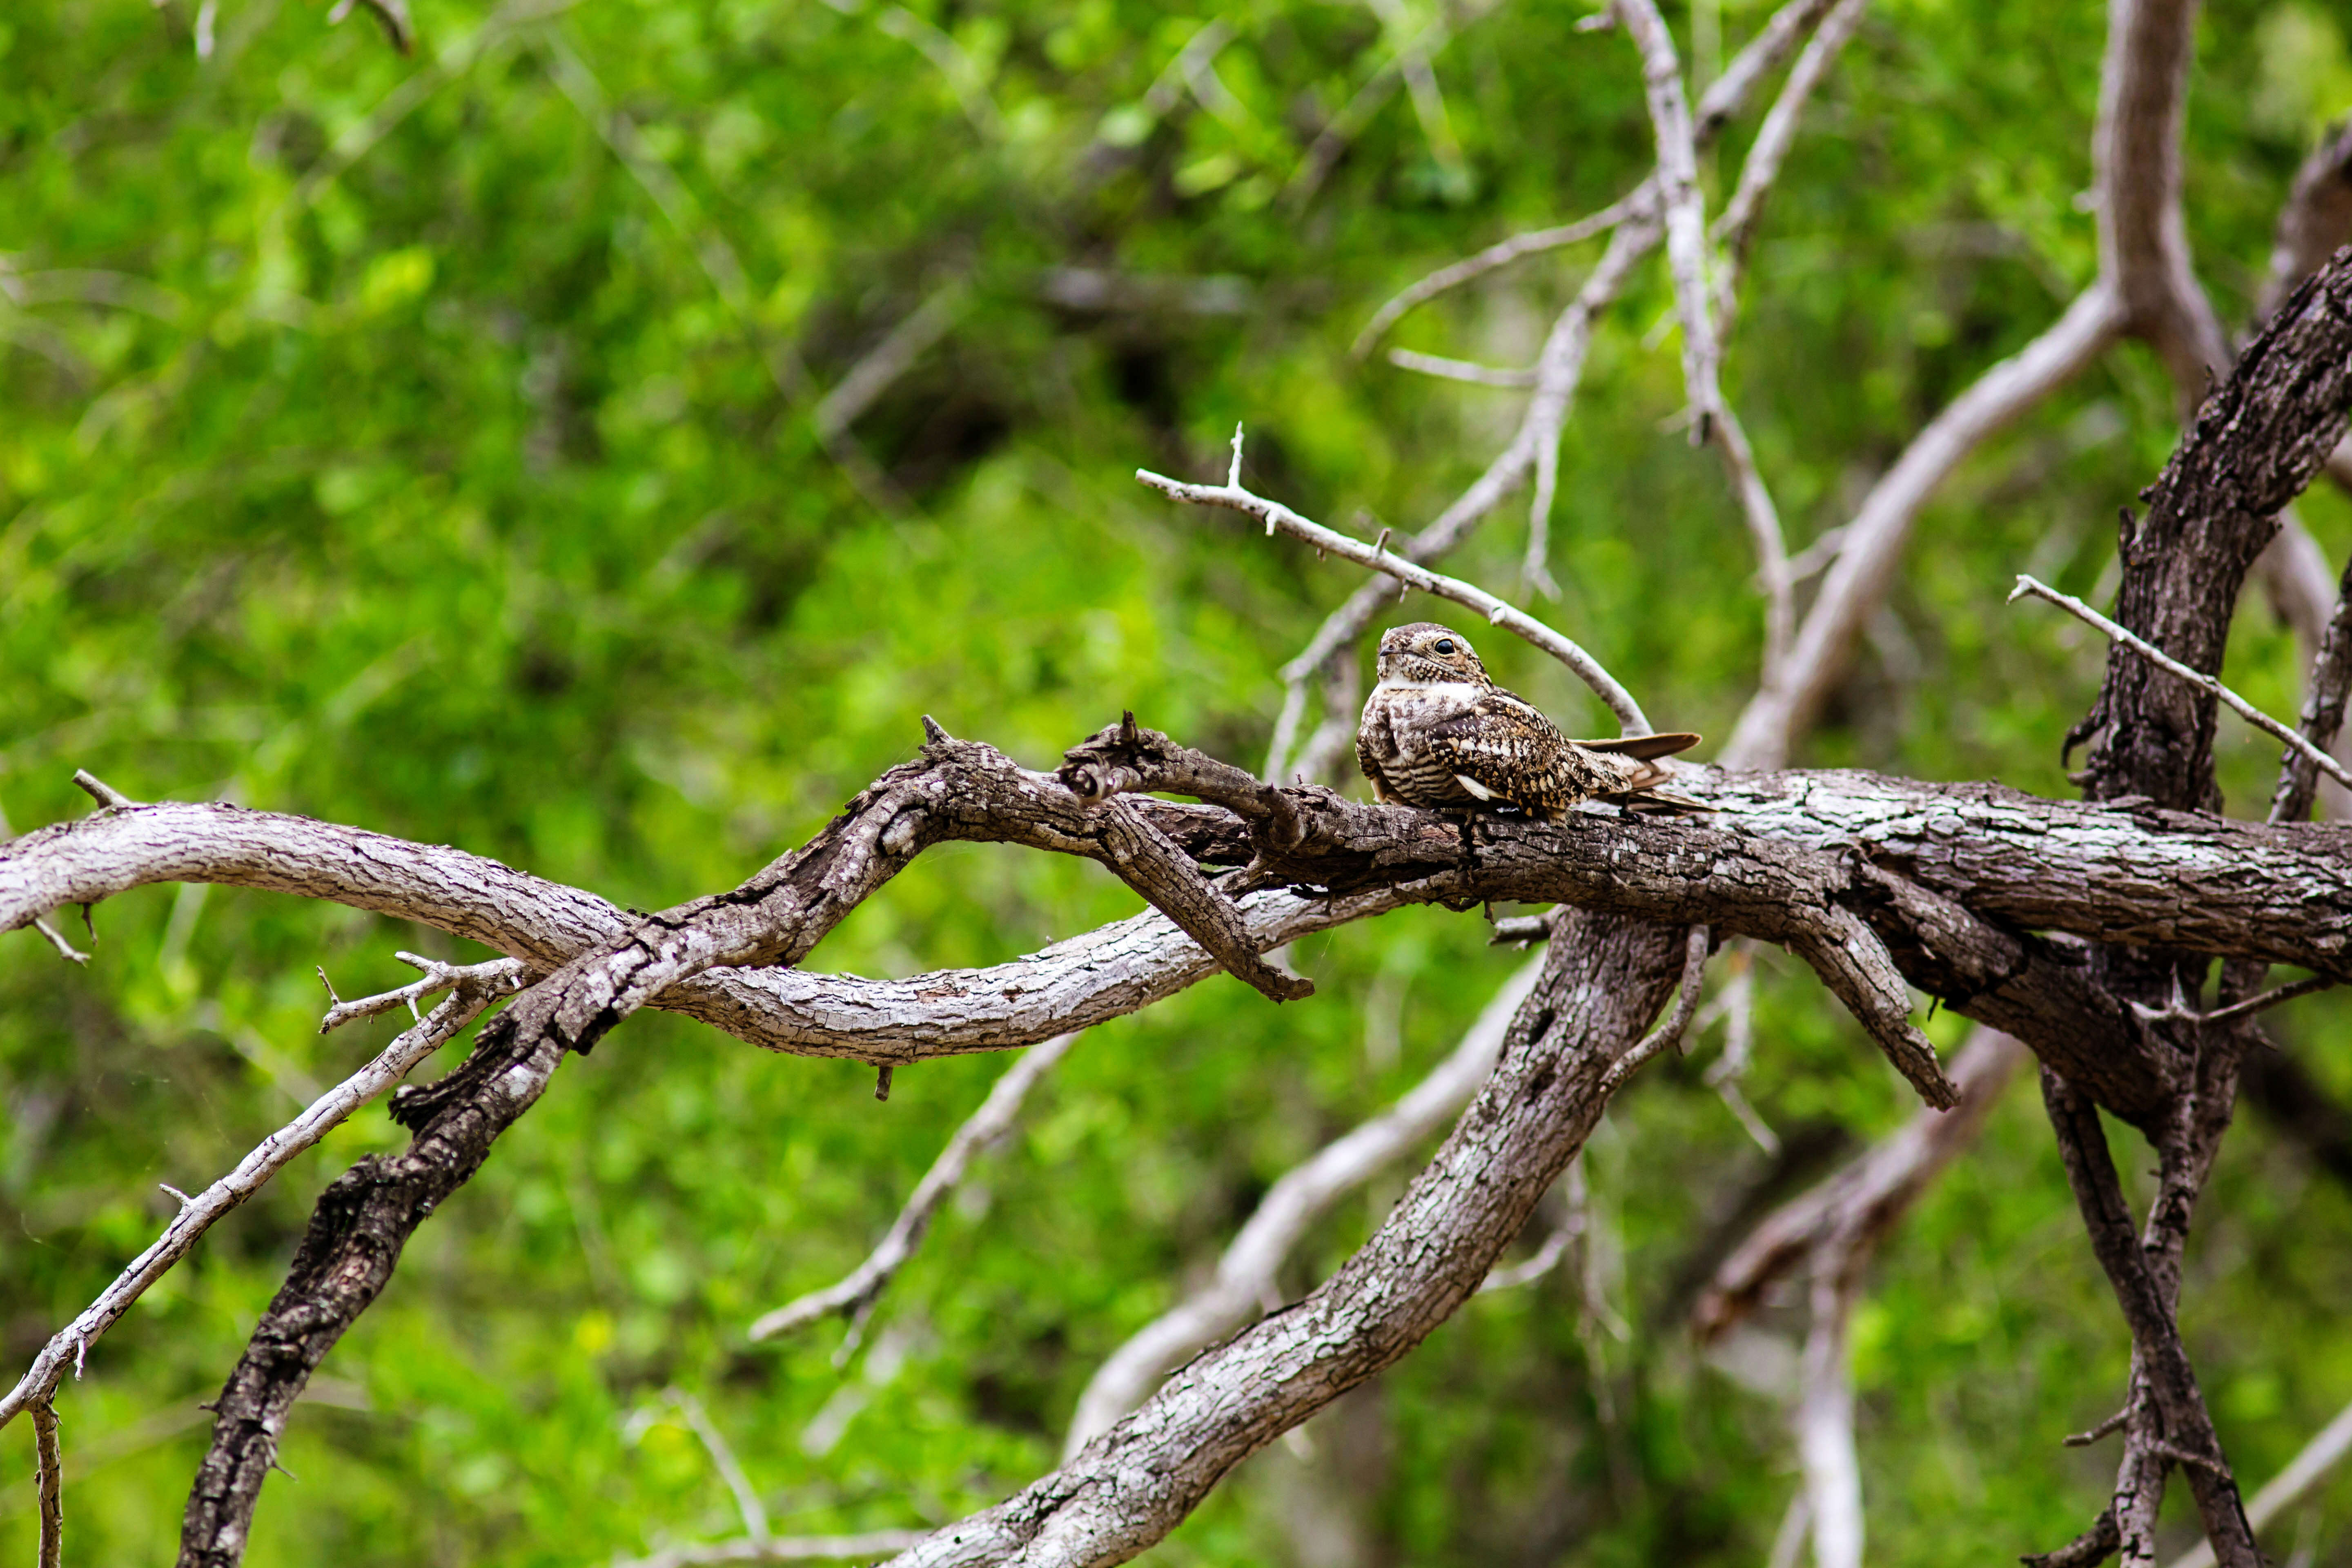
<point>1863,1201</point>
<point>2312,754</point>
<point>2316,1459</point>
<point>1276,515</point>
<point>1604,979</point>
<point>68,1347</point>
<point>1245,1280</point>
<point>49,1481</point>
<point>856,1294</point>
<point>872,1543</point>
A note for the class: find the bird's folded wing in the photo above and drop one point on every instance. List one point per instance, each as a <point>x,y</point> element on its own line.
<point>1504,749</point>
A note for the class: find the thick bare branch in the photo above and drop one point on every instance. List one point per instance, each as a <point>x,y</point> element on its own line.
<point>1604,979</point>
<point>48,1482</point>
<point>1245,1280</point>
<point>197,1214</point>
<point>855,1295</point>
<point>2257,442</point>
<point>1867,1197</point>
<point>1791,696</point>
<point>2135,160</point>
<point>364,1219</point>
<point>2317,1458</point>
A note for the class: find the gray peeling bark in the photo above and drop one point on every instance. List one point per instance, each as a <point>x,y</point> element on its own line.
<point>957,789</point>
<point>2255,444</point>
<point>1603,981</point>
<point>1952,878</point>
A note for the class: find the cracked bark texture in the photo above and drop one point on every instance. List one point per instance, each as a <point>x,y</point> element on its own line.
<point>1976,869</point>
<point>2255,444</point>
<point>1605,979</point>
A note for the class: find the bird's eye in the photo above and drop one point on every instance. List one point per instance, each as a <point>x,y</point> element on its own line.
<point>1446,645</point>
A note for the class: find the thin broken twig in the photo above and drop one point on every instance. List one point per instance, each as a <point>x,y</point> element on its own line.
<point>2198,678</point>
<point>856,1292</point>
<point>1498,613</point>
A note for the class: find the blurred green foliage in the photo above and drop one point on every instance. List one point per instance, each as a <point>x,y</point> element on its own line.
<point>430,445</point>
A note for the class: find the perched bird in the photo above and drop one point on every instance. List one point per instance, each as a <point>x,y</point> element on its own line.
<point>1437,731</point>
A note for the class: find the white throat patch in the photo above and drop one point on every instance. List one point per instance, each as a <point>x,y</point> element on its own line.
<point>1460,691</point>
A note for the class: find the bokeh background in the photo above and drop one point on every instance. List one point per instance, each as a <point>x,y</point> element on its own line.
<point>432,444</point>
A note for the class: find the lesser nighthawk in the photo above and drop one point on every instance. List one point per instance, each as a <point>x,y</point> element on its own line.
<point>1437,731</point>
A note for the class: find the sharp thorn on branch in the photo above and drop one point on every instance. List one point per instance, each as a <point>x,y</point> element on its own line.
<point>932,733</point>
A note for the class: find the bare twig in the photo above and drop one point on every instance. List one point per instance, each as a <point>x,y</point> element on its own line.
<point>1276,516</point>
<point>2323,699</point>
<point>1669,1034</point>
<point>872,1543</point>
<point>1686,224</point>
<point>1459,370</point>
<point>71,1343</point>
<point>493,978</point>
<point>1736,1003</point>
<point>748,1506</point>
<point>856,1294</point>
<point>900,347</point>
<point>1500,254</point>
<point>1722,100</point>
<point>2107,1428</point>
<point>1772,569</point>
<point>2203,683</point>
<point>2317,1456</point>
<point>1679,196</point>
<point>48,1480</point>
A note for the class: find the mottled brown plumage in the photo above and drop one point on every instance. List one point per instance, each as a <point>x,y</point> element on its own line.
<point>1437,731</point>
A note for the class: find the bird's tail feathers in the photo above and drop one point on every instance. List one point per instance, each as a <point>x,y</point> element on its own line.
<point>1643,748</point>
<point>1659,802</point>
